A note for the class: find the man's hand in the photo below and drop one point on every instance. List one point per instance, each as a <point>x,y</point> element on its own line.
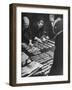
<point>30,43</point>
<point>47,37</point>
<point>39,40</point>
<point>44,39</point>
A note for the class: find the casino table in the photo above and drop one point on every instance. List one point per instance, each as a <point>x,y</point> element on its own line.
<point>41,56</point>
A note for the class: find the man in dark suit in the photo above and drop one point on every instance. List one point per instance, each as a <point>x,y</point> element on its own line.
<point>57,68</point>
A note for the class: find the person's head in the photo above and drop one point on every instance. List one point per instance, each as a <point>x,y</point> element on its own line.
<point>26,21</point>
<point>58,26</point>
<point>51,18</point>
<point>40,23</point>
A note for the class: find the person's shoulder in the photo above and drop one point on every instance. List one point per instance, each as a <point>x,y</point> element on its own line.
<point>59,35</point>
<point>59,22</point>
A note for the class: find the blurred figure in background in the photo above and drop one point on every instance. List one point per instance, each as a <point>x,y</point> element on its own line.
<point>51,26</point>
<point>26,31</point>
<point>52,19</point>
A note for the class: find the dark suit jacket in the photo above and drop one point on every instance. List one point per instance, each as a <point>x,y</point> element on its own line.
<point>57,68</point>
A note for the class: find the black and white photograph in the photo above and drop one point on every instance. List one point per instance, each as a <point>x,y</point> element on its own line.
<point>40,45</point>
